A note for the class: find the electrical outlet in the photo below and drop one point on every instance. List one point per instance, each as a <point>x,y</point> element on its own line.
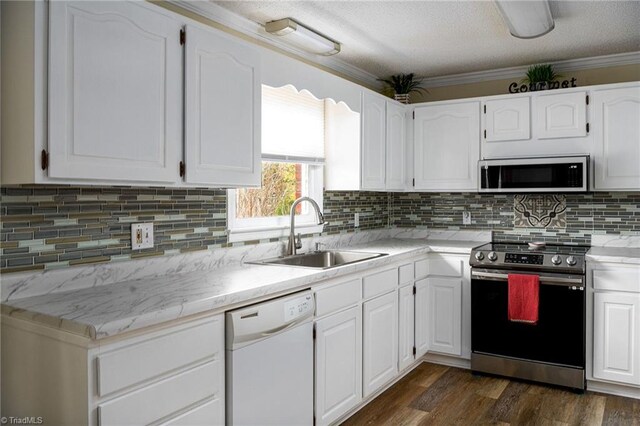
<point>141,235</point>
<point>466,218</point>
<point>356,220</point>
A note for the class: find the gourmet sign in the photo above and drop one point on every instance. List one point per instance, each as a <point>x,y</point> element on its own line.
<point>543,85</point>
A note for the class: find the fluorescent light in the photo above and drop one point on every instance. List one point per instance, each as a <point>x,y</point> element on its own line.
<point>526,19</point>
<point>302,37</point>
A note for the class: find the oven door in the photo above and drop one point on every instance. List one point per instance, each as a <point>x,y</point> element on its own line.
<point>558,337</point>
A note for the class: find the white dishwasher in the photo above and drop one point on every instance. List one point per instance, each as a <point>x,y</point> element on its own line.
<point>270,362</point>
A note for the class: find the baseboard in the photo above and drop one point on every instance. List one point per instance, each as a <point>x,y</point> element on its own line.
<point>449,361</point>
<point>613,389</point>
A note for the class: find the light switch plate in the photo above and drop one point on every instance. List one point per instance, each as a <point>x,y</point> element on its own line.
<point>356,220</point>
<point>141,235</point>
<point>466,218</point>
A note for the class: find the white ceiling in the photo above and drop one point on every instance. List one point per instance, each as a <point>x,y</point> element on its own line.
<point>436,38</point>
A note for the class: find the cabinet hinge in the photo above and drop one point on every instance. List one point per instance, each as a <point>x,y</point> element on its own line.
<point>183,36</point>
<point>485,133</point>
<point>587,99</point>
<point>44,160</point>
<point>587,127</point>
<point>414,350</point>
<point>485,109</point>
<point>314,333</point>
<point>182,169</point>
<point>414,115</point>
<point>413,182</point>
<point>414,289</point>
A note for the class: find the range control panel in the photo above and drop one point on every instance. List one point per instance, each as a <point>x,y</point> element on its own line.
<point>524,258</point>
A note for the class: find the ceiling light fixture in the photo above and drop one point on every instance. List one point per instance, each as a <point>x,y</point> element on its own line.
<point>526,19</point>
<point>302,37</point>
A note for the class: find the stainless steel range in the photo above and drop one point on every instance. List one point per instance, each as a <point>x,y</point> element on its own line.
<point>551,350</point>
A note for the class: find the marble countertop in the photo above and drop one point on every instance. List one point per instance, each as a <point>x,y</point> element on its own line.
<point>615,254</point>
<point>108,310</point>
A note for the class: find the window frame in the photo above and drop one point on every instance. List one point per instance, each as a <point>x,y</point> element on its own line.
<point>261,228</point>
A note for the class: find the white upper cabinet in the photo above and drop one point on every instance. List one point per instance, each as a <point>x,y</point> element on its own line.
<point>222,110</point>
<point>115,92</point>
<point>561,115</point>
<point>447,146</point>
<point>544,123</point>
<point>507,119</point>
<point>373,141</point>
<point>396,146</point>
<point>616,128</point>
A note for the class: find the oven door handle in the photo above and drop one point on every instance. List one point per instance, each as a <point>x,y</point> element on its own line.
<point>543,279</point>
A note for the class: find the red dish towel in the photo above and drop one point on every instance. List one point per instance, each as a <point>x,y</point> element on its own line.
<point>524,297</point>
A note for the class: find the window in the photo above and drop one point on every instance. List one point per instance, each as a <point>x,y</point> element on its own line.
<point>292,166</point>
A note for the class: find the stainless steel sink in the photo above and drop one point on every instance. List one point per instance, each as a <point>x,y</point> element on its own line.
<point>321,259</point>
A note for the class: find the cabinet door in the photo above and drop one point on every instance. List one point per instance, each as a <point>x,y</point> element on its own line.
<point>447,147</point>
<point>338,364</point>
<point>616,127</point>
<point>422,317</point>
<point>115,92</point>
<point>373,141</point>
<point>396,140</point>
<point>507,119</point>
<point>616,337</point>
<point>444,324</point>
<point>561,115</point>
<point>222,110</point>
<point>405,327</point>
<point>380,356</point>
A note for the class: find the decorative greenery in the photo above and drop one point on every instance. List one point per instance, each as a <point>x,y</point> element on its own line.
<point>404,83</point>
<point>542,73</point>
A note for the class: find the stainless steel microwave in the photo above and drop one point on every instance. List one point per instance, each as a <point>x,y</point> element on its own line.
<point>547,174</point>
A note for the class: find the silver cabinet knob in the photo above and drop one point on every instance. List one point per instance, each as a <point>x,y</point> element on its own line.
<point>571,261</point>
<point>492,256</point>
<point>556,260</point>
<point>479,255</point>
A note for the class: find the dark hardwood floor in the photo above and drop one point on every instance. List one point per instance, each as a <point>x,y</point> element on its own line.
<point>439,395</point>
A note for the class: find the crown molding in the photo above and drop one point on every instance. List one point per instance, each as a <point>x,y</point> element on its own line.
<point>256,31</point>
<point>618,59</point>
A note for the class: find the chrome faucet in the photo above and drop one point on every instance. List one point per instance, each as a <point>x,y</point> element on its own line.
<point>296,243</point>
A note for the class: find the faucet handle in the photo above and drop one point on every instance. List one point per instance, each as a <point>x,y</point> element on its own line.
<point>299,242</point>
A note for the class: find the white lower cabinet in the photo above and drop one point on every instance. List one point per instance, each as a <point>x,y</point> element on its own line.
<point>173,376</point>
<point>380,338</point>
<point>442,307</point>
<point>444,313</point>
<point>338,371</point>
<point>406,310</point>
<point>616,337</point>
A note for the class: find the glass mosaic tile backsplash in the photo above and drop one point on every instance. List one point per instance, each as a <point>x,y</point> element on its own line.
<point>54,227</point>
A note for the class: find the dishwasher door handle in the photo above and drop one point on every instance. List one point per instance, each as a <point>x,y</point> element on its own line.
<point>279,329</point>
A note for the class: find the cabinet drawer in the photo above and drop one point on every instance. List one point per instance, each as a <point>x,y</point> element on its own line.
<point>161,399</point>
<point>155,357</point>
<point>338,296</point>
<point>422,268</point>
<point>446,266</point>
<point>406,273</point>
<point>380,283</point>
<point>209,413</point>
<point>619,279</point>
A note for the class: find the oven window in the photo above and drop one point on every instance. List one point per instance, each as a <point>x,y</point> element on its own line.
<point>558,338</point>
